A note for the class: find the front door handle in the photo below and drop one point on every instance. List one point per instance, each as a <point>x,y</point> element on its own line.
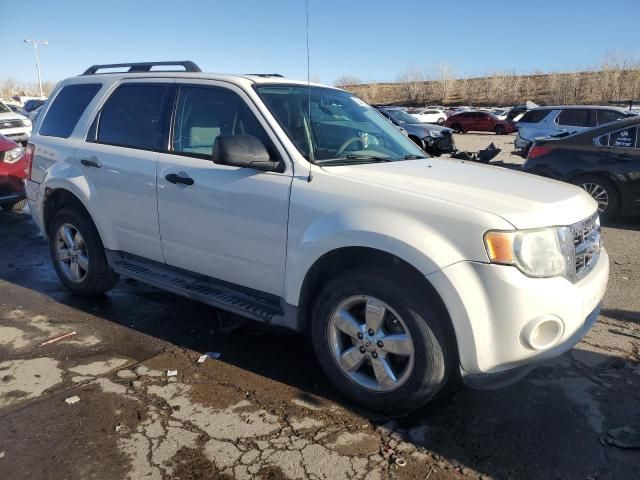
<point>91,162</point>
<point>174,178</point>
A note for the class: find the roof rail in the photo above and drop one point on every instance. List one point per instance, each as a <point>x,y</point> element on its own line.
<point>188,65</point>
<point>264,74</point>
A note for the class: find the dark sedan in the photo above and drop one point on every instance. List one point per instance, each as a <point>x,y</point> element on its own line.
<point>605,161</point>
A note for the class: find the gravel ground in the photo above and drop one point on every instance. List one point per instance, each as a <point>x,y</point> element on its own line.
<point>472,142</point>
<point>264,409</point>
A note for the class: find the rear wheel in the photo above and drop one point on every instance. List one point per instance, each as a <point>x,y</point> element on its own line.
<point>441,121</point>
<point>457,128</point>
<point>14,207</point>
<point>603,192</point>
<point>380,341</point>
<point>78,254</point>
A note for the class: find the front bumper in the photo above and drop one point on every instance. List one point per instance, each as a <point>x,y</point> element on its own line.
<point>440,145</point>
<point>18,135</point>
<point>494,308</point>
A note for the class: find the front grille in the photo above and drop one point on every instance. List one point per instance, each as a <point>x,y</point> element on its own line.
<point>11,123</point>
<point>586,244</point>
<point>446,143</point>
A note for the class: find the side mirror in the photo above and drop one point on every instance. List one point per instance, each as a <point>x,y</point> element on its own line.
<point>242,151</point>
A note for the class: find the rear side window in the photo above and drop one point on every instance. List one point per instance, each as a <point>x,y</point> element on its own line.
<point>133,117</point>
<point>608,116</point>
<point>534,116</point>
<point>624,138</point>
<point>575,117</point>
<point>67,108</point>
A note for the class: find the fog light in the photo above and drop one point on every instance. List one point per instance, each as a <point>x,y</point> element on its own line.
<point>542,333</point>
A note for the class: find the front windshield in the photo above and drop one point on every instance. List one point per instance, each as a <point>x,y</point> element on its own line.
<point>401,116</point>
<point>4,108</point>
<point>330,126</point>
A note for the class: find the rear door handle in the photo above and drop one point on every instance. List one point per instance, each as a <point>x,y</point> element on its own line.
<point>91,162</point>
<point>174,178</point>
<point>620,157</point>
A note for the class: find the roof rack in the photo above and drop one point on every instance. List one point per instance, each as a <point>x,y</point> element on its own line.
<point>188,65</point>
<point>264,75</point>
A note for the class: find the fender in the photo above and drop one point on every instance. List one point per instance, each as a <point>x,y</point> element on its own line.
<point>68,177</point>
<point>391,231</point>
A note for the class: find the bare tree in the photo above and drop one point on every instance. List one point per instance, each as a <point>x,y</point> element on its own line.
<point>445,75</point>
<point>413,84</point>
<point>347,80</point>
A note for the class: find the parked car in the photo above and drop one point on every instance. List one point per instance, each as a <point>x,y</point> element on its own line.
<point>548,121</point>
<point>431,116</point>
<point>13,125</point>
<point>500,114</point>
<point>604,161</point>
<point>300,206</point>
<point>12,175</point>
<point>433,139</point>
<point>479,122</point>
<point>32,104</point>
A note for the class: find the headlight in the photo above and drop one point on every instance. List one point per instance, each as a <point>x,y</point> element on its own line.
<point>545,252</point>
<point>26,122</point>
<point>12,156</point>
<point>435,134</point>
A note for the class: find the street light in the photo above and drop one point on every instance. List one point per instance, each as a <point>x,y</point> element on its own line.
<point>35,44</point>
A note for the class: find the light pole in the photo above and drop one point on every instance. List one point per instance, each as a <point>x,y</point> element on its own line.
<point>35,44</point>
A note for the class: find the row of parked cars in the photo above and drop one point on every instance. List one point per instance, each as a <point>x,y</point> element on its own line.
<point>17,121</point>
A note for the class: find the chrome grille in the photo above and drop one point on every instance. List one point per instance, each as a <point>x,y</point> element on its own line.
<point>586,244</point>
<point>11,123</point>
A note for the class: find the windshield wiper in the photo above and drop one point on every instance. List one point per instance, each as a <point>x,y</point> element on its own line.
<point>352,159</point>
<point>414,157</point>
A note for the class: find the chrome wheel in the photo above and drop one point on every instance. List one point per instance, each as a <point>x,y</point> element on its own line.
<point>371,344</point>
<point>71,253</point>
<point>598,193</point>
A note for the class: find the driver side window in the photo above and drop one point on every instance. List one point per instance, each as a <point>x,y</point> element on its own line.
<point>204,113</point>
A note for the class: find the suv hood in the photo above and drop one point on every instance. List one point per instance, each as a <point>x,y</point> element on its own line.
<point>524,200</point>
<point>11,116</point>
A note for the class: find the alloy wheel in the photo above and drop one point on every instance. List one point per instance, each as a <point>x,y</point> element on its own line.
<point>598,193</point>
<point>71,253</point>
<point>371,343</point>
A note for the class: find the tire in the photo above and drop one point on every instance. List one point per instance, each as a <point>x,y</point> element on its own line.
<point>441,121</point>
<point>457,128</point>
<point>603,192</point>
<point>420,376</point>
<point>500,130</point>
<point>97,277</point>
<point>14,207</point>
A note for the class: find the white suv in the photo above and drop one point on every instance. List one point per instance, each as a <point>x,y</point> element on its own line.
<point>299,205</point>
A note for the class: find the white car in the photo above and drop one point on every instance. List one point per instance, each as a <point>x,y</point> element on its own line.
<point>13,125</point>
<point>431,116</point>
<point>406,271</point>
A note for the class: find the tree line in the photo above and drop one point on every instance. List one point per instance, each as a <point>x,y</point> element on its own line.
<point>615,79</point>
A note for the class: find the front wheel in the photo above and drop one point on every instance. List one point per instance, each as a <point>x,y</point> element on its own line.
<point>500,130</point>
<point>603,192</point>
<point>381,341</point>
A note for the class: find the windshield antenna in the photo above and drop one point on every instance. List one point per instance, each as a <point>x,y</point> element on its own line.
<point>311,159</point>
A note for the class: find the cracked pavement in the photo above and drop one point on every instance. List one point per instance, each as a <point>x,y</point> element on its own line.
<point>264,409</point>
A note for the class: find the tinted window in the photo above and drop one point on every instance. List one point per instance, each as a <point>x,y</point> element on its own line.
<point>67,108</point>
<point>132,117</point>
<point>607,116</point>
<point>575,117</point>
<point>624,138</point>
<point>203,114</point>
<point>534,116</point>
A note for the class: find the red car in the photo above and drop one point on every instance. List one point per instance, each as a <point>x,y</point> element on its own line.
<point>479,122</point>
<point>13,167</point>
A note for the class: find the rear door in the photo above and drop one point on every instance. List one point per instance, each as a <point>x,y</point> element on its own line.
<point>119,160</point>
<point>576,119</point>
<point>484,123</point>
<point>230,223</point>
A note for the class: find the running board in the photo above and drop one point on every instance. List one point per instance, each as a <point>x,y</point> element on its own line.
<point>197,287</point>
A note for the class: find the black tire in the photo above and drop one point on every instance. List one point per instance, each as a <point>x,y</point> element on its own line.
<point>591,184</point>
<point>433,339</point>
<point>99,276</point>
<point>441,121</point>
<point>500,130</point>
<point>457,128</point>
<point>14,207</point>
<point>418,141</point>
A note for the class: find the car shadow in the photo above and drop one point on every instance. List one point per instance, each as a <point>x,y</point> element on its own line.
<point>550,425</point>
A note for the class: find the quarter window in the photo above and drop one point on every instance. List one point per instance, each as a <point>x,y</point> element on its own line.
<point>133,117</point>
<point>608,116</point>
<point>205,113</point>
<point>67,108</point>
<point>624,138</point>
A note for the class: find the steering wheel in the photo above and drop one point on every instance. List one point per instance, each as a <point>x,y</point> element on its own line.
<point>347,143</point>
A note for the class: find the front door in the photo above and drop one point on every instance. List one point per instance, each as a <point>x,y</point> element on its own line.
<point>230,223</point>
